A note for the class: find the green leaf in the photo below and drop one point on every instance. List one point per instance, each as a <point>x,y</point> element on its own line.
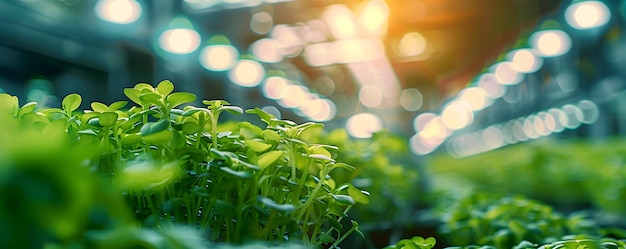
<point>88,132</point>
<point>154,127</point>
<point>325,238</point>
<point>134,95</point>
<point>56,128</point>
<point>176,99</point>
<point>150,98</point>
<point>358,195</point>
<point>190,127</point>
<point>27,108</point>
<point>165,87</point>
<point>177,111</point>
<point>191,112</point>
<point>32,118</point>
<point>342,165</point>
<point>161,137</point>
<point>334,223</point>
<point>240,174</point>
<point>108,118</point>
<point>249,131</point>
<point>273,205</point>
<point>344,199</point>
<point>268,158</point>
<point>99,107</point>
<point>271,135</point>
<point>215,103</point>
<point>9,104</point>
<point>232,109</point>
<point>257,146</point>
<point>266,117</point>
<point>200,191</point>
<point>71,102</point>
<point>94,121</point>
<point>117,105</point>
<point>320,157</point>
<point>142,86</point>
<point>276,122</point>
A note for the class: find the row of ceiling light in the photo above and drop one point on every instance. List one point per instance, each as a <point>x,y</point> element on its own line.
<point>434,129</point>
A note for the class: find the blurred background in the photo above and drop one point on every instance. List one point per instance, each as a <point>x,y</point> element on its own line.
<point>461,76</point>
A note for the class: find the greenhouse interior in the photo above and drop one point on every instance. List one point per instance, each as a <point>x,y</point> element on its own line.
<point>184,124</point>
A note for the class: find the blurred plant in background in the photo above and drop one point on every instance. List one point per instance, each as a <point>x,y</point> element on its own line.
<point>569,175</point>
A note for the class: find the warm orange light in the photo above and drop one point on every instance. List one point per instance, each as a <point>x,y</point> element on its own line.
<point>373,18</point>
<point>341,21</point>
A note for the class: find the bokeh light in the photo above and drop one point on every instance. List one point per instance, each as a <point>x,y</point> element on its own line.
<point>275,87</point>
<point>358,50</point>
<point>457,115</point>
<point>261,22</point>
<point>590,111</point>
<point>506,73</point>
<point>549,43</point>
<point>247,73</point>
<point>411,44</point>
<point>371,96</point>
<point>492,137</point>
<point>319,54</point>
<point>341,21</point>
<point>490,86</point>
<point>373,18</point>
<point>420,122</point>
<point>474,97</point>
<point>573,116</point>
<point>363,125</point>
<point>287,38</point>
<point>411,99</point>
<point>429,138</point>
<point>587,14</point>
<point>118,11</point>
<point>525,61</point>
<point>179,40</point>
<point>293,96</point>
<point>266,50</point>
<point>320,110</point>
<point>218,57</point>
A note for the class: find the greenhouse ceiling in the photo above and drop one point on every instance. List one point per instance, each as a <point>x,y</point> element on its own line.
<point>398,64</point>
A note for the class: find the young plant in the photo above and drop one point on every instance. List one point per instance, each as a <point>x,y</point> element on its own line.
<point>183,166</point>
<point>505,221</point>
<point>416,242</point>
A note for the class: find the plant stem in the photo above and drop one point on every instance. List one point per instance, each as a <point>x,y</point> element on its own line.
<point>292,160</point>
<point>214,130</point>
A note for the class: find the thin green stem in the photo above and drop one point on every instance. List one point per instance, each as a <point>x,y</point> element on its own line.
<point>292,160</point>
<point>342,238</point>
<point>313,194</point>
<point>214,118</point>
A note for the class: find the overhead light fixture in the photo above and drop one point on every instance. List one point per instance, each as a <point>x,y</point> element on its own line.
<point>118,11</point>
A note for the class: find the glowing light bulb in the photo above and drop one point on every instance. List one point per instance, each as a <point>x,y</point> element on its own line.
<point>247,73</point>
<point>550,43</point>
<point>218,57</point>
<point>179,41</point>
<point>363,125</point>
<point>587,14</point>
<point>118,11</point>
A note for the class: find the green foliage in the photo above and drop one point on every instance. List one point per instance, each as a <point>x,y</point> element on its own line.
<point>179,166</point>
<point>565,174</point>
<point>505,221</point>
<point>576,243</point>
<point>417,242</point>
<point>385,168</point>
